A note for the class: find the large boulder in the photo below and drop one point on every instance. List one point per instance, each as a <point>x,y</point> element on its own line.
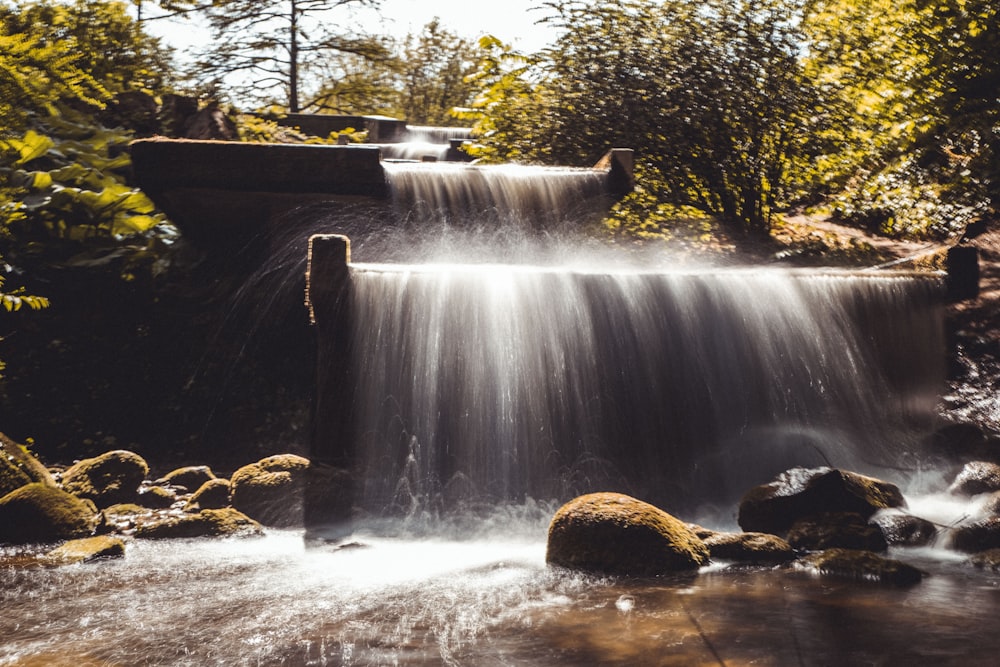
<point>271,490</point>
<point>38,512</point>
<point>206,523</point>
<point>111,478</point>
<point>976,477</point>
<point>803,492</point>
<point>861,566</point>
<point>611,533</point>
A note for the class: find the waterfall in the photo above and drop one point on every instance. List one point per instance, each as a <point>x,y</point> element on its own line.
<point>506,194</point>
<point>549,375</point>
<point>436,135</point>
<point>507,382</point>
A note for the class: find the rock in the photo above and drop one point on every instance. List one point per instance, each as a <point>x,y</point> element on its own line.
<point>155,497</point>
<point>190,477</point>
<point>978,536</point>
<point>611,533</point>
<point>37,512</point>
<point>123,517</point>
<point>861,566</point>
<point>986,560</point>
<point>271,490</point>
<point>111,478</point>
<point>85,550</point>
<point>976,477</point>
<point>206,523</point>
<point>11,476</point>
<point>845,530</point>
<point>213,494</point>
<point>904,529</point>
<point>18,467</point>
<point>991,505</point>
<point>801,492</point>
<point>749,547</point>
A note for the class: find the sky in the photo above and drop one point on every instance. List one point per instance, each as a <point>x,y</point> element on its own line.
<point>511,21</point>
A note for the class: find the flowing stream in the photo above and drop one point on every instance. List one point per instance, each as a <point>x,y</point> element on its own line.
<point>492,392</point>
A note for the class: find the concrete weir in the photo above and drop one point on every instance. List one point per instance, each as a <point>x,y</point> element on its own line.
<point>221,192</point>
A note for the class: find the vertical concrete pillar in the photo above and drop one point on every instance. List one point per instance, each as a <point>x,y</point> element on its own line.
<point>330,489</point>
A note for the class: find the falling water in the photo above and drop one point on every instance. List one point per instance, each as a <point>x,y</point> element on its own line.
<point>509,382</point>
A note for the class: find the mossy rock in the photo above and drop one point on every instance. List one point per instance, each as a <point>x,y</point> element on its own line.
<point>978,536</point>
<point>845,530</point>
<point>123,517</point>
<point>111,478</point>
<point>756,548</point>
<point>272,489</point>
<point>976,477</point>
<point>190,477</point>
<point>85,550</point>
<point>155,497</point>
<point>19,468</point>
<point>37,512</point>
<point>611,533</point>
<point>862,566</point>
<point>213,494</point>
<point>802,492</point>
<point>225,522</point>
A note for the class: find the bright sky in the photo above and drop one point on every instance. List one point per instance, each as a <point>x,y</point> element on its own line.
<point>510,20</point>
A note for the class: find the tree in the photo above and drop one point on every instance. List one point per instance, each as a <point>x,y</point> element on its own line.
<point>710,93</point>
<point>434,68</point>
<point>271,46</point>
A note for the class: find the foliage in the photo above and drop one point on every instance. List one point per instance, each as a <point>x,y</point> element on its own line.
<point>274,46</point>
<point>710,93</point>
<point>434,66</point>
<point>508,100</point>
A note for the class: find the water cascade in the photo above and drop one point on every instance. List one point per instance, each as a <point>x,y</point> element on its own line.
<point>427,143</point>
<point>472,381</point>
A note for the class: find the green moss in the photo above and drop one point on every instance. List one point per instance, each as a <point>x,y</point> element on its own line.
<point>113,477</point>
<point>615,534</point>
<point>40,513</point>
<point>206,523</point>
<point>11,476</point>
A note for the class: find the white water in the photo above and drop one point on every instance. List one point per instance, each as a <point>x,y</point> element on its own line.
<point>486,381</point>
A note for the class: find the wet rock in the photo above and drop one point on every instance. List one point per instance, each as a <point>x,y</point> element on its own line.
<point>123,518</point>
<point>611,533</point>
<point>904,529</point>
<point>190,477</point>
<point>213,494</point>
<point>271,490</point>
<point>704,533</point>
<point>225,522</point>
<point>156,497</point>
<point>111,478</point>
<point>976,477</point>
<point>749,547</point>
<point>861,566</point>
<point>801,492</point>
<point>991,505</point>
<point>978,536</point>
<point>85,550</point>
<point>11,476</point>
<point>986,560</point>
<point>845,530</point>
<point>37,512</point>
<point>18,467</point>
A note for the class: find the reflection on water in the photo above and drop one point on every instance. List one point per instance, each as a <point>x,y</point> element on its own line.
<point>402,600</point>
